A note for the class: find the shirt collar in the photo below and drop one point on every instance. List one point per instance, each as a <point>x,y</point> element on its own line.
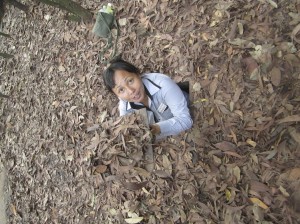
<point>151,86</point>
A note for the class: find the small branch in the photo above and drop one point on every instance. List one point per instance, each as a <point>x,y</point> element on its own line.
<point>4,34</point>
<point>1,10</point>
<point>18,5</point>
<point>71,7</point>
<point>5,55</point>
<point>4,96</point>
<point>73,18</point>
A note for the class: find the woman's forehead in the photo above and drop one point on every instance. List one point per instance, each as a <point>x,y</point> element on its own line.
<point>121,75</point>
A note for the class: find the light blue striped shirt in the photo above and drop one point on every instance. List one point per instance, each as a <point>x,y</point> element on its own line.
<point>167,104</point>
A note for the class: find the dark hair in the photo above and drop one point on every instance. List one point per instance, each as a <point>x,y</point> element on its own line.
<point>117,64</point>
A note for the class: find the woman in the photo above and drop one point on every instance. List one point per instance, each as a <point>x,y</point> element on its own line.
<point>166,104</point>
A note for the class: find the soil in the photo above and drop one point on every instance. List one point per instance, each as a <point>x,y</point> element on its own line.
<point>3,195</point>
<point>71,159</point>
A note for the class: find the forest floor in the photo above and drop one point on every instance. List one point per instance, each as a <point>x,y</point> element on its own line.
<point>71,159</point>
<point>3,194</point>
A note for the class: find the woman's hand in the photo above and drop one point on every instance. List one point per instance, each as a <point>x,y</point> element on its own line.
<point>155,129</point>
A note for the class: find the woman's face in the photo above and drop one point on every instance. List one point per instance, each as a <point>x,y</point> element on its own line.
<point>129,86</point>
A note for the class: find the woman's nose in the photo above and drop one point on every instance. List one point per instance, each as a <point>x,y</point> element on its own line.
<point>130,90</point>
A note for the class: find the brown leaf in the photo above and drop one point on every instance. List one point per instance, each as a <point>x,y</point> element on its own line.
<point>161,174</point>
<point>294,201</point>
<point>232,32</point>
<point>237,94</point>
<point>94,142</point>
<point>142,172</point>
<point>291,118</point>
<point>213,87</point>
<point>294,33</point>
<point>258,186</point>
<point>236,171</point>
<point>251,67</point>
<point>294,134</point>
<point>100,169</point>
<point>92,128</point>
<point>233,214</point>
<point>293,174</point>
<point>275,74</point>
<point>167,165</point>
<point>292,59</point>
<point>233,154</point>
<point>124,126</point>
<point>134,186</point>
<point>225,146</point>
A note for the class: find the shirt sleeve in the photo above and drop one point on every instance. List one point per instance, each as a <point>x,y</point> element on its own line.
<point>176,101</point>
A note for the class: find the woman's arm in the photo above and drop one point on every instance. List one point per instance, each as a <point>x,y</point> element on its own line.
<point>175,100</point>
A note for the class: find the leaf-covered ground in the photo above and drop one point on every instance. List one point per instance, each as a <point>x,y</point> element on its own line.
<point>71,159</point>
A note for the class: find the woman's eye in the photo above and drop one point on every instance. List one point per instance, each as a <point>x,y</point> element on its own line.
<point>121,90</point>
<point>130,81</point>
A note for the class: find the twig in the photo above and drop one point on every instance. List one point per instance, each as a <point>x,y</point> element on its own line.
<point>5,55</point>
<point>4,96</point>
<point>18,5</point>
<point>4,34</point>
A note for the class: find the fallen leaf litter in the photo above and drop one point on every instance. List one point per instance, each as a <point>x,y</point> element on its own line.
<point>70,159</point>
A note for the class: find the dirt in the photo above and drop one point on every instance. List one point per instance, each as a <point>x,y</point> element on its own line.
<point>3,195</point>
<point>71,159</point>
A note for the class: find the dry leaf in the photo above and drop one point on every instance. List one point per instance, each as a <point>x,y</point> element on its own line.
<point>258,213</point>
<point>167,165</point>
<point>259,203</point>
<point>123,22</point>
<point>197,87</point>
<point>283,191</point>
<point>294,201</point>
<point>100,169</point>
<point>275,74</point>
<point>56,65</point>
<point>237,94</point>
<point>293,174</point>
<point>217,160</point>
<point>254,158</point>
<point>291,118</point>
<point>134,220</point>
<point>227,194</point>
<point>295,32</point>
<point>161,173</point>
<point>134,186</point>
<point>61,68</point>
<point>56,103</point>
<point>252,143</point>
<point>226,146</point>
<point>93,128</point>
<point>230,153</point>
<point>213,87</point>
<point>272,3</point>
<point>69,154</point>
<point>242,43</point>
<point>252,67</point>
<point>142,172</point>
<point>294,134</point>
<point>271,154</point>
<point>237,173</point>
